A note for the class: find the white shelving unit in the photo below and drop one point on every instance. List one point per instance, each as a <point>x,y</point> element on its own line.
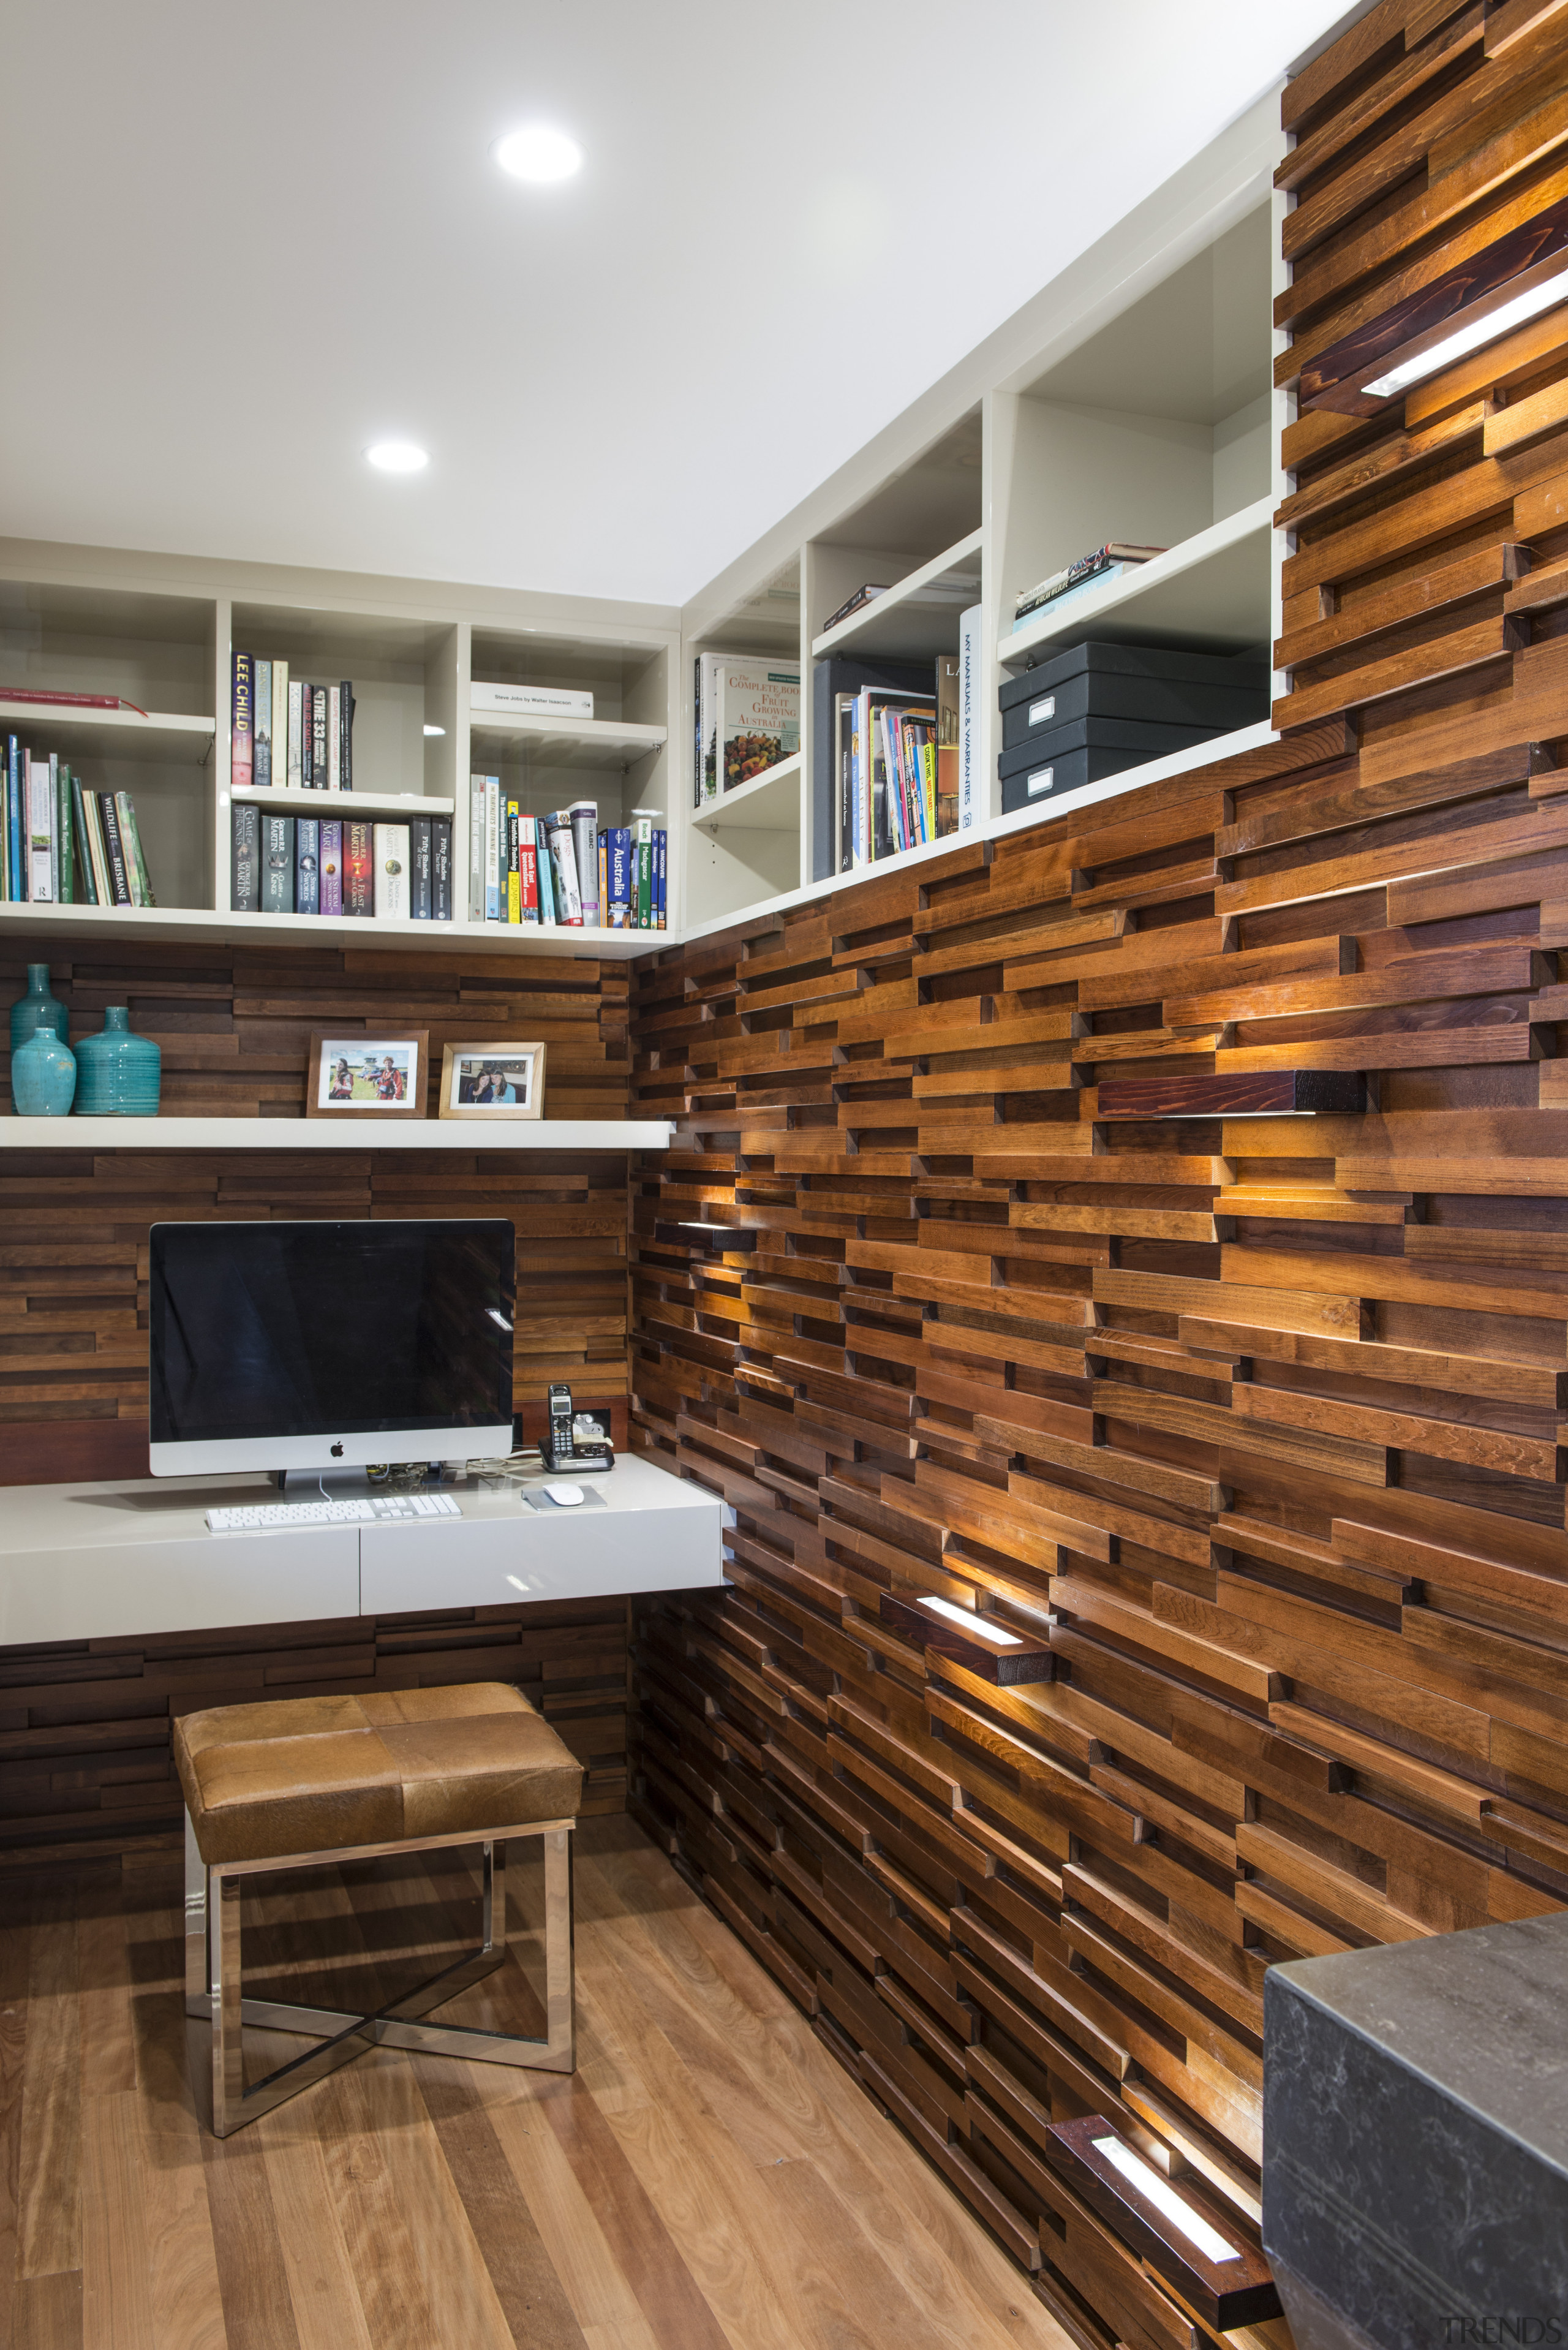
<point>164,734</point>
<point>912,618</point>
<point>574,743</point>
<point>767,802</point>
<point>274,1134</point>
<point>1208,594</point>
<point>194,923</point>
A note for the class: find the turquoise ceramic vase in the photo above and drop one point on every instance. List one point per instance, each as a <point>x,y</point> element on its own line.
<point>43,1076</point>
<point>117,1074</point>
<point>37,1009</point>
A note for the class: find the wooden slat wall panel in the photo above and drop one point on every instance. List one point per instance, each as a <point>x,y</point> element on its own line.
<point>234,1026</point>
<point>86,1769</point>
<point>1257,1422</point>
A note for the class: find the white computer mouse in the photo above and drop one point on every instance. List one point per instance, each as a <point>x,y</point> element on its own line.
<point>565,1496</point>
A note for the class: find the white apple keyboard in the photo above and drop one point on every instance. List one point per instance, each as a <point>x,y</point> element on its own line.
<point>565,1497</point>
<point>370,1511</point>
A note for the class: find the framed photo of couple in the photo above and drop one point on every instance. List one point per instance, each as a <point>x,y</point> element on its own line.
<point>504,1080</point>
<point>368,1075</point>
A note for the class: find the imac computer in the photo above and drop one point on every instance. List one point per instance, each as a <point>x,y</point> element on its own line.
<point>327,1345</point>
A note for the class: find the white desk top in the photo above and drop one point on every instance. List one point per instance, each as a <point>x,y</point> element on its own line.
<point>115,1560</point>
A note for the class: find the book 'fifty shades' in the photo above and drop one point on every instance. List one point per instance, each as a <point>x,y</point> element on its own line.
<point>440,868</point>
<point>420,901</point>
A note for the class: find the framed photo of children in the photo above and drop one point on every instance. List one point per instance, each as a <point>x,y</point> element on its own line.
<point>368,1077</point>
<point>493,1081</point>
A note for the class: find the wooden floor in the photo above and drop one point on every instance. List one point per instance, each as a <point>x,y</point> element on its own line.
<point>709,2176</point>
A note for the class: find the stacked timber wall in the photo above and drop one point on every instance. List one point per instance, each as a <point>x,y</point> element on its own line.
<point>1257,1420</point>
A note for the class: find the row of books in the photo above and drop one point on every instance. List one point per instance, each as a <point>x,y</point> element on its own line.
<point>61,842</point>
<point>309,865</point>
<point>748,718</point>
<point>565,867</point>
<point>1108,562</point>
<point>282,729</point>
<point>898,767</point>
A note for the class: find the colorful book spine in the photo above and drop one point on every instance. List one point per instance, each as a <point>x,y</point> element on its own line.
<point>277,865</point>
<point>319,771</point>
<point>261,722</point>
<point>307,864</point>
<point>511,877</point>
<point>65,877</point>
<point>476,849</point>
<point>563,868</point>
<point>545,869</point>
<point>604,878</point>
<point>242,719</point>
<point>583,818</point>
<point>618,863</point>
<point>98,848</point>
<point>332,868</point>
<point>308,738</point>
<point>528,870</point>
<point>346,736</point>
<point>358,869</point>
<point>494,907</point>
<point>16,818</point>
<point>296,735</point>
<point>391,849</point>
<point>334,738</point>
<point>280,721</point>
<point>244,859</point>
<point>440,868</point>
<point>136,862</point>
<point>420,868</point>
<point>41,830</point>
<point>114,848</point>
<point>642,871</point>
<point>660,866</point>
<point>82,847</point>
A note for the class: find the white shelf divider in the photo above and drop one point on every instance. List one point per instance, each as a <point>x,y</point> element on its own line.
<point>272,1134</point>
<point>167,735</point>
<point>200,922</point>
<point>343,804</point>
<point>766,803</point>
<point>591,742</point>
<point>903,621</point>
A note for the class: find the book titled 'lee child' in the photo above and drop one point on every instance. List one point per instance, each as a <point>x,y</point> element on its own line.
<point>244,870</point>
<point>391,854</point>
<point>358,869</point>
<point>241,723</point>
<point>332,869</point>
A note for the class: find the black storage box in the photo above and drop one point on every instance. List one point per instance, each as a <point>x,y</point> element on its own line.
<point>1160,685</point>
<point>1085,753</point>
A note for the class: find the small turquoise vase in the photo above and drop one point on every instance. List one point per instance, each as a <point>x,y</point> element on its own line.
<point>37,1009</point>
<point>117,1074</point>
<point>43,1076</point>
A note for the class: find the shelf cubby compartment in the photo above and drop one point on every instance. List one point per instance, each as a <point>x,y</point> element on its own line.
<point>1209,593</point>
<point>924,516</point>
<point>918,615</point>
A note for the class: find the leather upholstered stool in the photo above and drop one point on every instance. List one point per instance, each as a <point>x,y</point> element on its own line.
<point>316,1780</point>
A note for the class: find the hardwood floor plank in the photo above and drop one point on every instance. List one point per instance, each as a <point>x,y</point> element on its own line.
<point>108,2034</point>
<point>601,2294</point>
<point>258,2312</point>
<point>49,2229</point>
<point>184,2287</point>
<point>327,2312</point>
<point>49,2312</point>
<point>14,1944</point>
<point>117,2300</point>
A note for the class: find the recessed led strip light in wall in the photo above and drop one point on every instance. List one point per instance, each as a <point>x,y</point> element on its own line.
<point>1471,338</point>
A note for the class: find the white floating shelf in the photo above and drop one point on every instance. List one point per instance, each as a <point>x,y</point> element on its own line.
<point>908,620</point>
<point>588,742</point>
<point>340,805</point>
<point>1210,593</point>
<point>274,1134</point>
<point>766,803</point>
<point>166,735</point>
<point>370,937</point>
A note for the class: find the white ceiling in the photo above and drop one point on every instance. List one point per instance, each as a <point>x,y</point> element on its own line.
<point>241,244</point>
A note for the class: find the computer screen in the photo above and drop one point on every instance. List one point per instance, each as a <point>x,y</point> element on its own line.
<point>303,1343</point>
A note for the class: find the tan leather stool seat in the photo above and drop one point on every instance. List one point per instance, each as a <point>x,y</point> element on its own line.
<point>311,1774</point>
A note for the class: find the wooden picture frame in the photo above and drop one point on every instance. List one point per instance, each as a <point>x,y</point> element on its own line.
<point>400,1059</point>
<point>517,1069</point>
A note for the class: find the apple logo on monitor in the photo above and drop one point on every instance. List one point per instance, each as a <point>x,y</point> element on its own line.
<point>337,1453</point>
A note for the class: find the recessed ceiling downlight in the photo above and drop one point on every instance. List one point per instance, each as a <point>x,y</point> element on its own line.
<point>539,153</point>
<point>398,456</point>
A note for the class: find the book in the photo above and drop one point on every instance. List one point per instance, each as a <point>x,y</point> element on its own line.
<point>420,867</point>
<point>1106,562</point>
<point>244,859</point>
<point>114,849</point>
<point>710,697</point>
<point>240,724</point>
<point>331,867</point>
<point>856,603</point>
<point>528,870</point>
<point>308,738</point>
<point>358,869</point>
<point>261,722</point>
<point>318,777</point>
<point>950,698</point>
<point>529,700</point>
<point>98,848</point>
<point>307,864</point>
<point>641,868</point>
<point>278,864</point>
<point>972,788</point>
<point>334,738</point>
<point>346,736</point>
<point>510,877</point>
<point>135,861</point>
<point>391,855</point>
<point>16,820</point>
<point>585,820</point>
<point>617,871</point>
<point>295,737</point>
<point>81,841</point>
<point>759,717</point>
<point>40,831</point>
<point>57,701</point>
<point>476,849</point>
<point>544,872</point>
<point>280,721</point>
<point>440,868</point>
<point>65,873</point>
<point>563,868</point>
<point>661,857</point>
<point>494,909</point>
